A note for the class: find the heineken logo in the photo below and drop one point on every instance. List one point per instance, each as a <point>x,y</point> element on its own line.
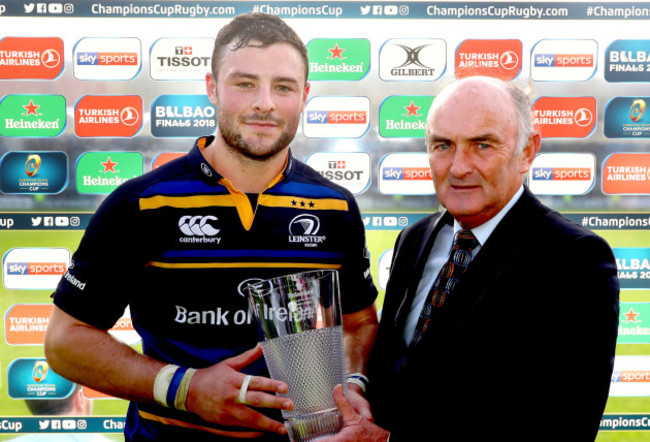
<point>338,59</point>
<point>632,328</point>
<point>102,172</point>
<point>404,116</point>
<point>32,115</point>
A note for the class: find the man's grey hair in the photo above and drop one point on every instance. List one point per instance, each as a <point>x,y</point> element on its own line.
<point>521,99</point>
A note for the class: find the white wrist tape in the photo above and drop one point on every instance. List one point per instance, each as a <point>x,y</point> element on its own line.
<point>161,383</point>
<point>181,394</point>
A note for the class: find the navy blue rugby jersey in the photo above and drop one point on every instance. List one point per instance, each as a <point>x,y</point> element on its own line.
<point>177,245</point>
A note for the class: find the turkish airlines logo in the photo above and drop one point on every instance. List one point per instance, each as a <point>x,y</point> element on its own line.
<point>197,225</point>
<point>108,116</point>
<point>493,58</point>
<point>565,117</point>
<point>627,173</point>
<point>31,58</point>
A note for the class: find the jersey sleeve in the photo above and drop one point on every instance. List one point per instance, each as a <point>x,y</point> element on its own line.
<point>358,290</point>
<point>96,287</point>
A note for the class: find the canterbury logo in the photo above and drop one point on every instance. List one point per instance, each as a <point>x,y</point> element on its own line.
<point>197,225</point>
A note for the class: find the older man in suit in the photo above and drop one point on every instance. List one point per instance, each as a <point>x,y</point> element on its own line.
<point>500,317</point>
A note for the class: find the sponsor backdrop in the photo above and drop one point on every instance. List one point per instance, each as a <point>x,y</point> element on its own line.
<point>95,93</point>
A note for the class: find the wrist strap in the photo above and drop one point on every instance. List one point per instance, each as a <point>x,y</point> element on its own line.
<point>181,395</point>
<point>161,383</point>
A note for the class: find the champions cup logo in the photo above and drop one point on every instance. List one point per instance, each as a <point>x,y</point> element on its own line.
<point>637,109</point>
<point>39,373</point>
<point>31,58</point>
<point>494,58</point>
<point>32,165</point>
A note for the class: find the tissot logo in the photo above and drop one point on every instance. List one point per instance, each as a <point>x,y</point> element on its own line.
<point>412,59</point>
<point>351,169</point>
<point>569,117</point>
<point>108,116</point>
<point>304,229</point>
<point>564,60</point>
<point>494,58</point>
<point>107,58</point>
<point>181,58</point>
<point>31,58</point>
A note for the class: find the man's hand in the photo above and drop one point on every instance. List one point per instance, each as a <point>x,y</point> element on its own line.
<point>214,394</point>
<point>359,401</point>
<point>355,426</point>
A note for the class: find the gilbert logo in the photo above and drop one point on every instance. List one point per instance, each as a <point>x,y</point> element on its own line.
<point>108,116</point>
<point>32,115</point>
<point>627,173</point>
<point>102,172</point>
<point>565,117</point>
<point>404,116</point>
<point>564,60</point>
<point>107,58</point>
<point>338,58</point>
<point>331,117</point>
<point>403,59</point>
<point>493,58</point>
<point>31,58</point>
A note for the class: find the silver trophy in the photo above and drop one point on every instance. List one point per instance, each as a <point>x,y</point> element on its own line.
<point>300,316</point>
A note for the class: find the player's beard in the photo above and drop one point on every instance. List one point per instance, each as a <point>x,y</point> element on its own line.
<point>261,148</point>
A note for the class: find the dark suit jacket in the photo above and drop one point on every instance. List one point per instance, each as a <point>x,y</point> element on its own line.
<point>523,349</point>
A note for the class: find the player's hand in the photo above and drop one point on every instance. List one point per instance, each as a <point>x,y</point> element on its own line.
<point>355,426</point>
<point>214,395</point>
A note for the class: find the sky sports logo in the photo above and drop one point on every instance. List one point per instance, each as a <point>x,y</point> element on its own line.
<point>564,60</point>
<point>36,268</point>
<point>406,173</point>
<point>107,59</point>
<point>337,117</point>
<point>562,174</point>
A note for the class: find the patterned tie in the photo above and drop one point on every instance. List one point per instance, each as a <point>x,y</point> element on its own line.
<point>450,274</point>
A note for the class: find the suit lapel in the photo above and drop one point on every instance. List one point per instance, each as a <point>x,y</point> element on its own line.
<point>423,245</point>
<point>503,247</point>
